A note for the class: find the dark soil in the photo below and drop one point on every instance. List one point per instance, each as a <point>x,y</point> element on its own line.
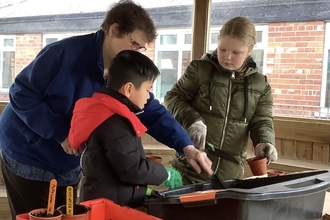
<point>44,214</point>
<point>77,209</point>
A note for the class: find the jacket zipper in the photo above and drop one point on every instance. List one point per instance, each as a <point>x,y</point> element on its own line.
<point>232,77</point>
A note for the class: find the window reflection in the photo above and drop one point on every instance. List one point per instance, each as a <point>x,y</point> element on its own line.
<point>8,42</point>
<point>327,94</point>
<point>168,39</point>
<point>8,67</point>
<point>167,62</point>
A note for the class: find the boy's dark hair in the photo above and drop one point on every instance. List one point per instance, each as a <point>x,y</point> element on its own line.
<point>131,66</point>
<point>129,16</point>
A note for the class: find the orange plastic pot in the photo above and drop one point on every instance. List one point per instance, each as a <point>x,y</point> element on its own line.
<point>41,214</point>
<point>154,158</point>
<point>258,165</point>
<point>80,212</point>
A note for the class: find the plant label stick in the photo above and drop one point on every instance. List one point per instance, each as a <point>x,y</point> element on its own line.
<point>51,197</point>
<point>69,200</point>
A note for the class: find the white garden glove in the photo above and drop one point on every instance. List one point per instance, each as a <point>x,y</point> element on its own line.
<point>197,133</point>
<point>266,150</point>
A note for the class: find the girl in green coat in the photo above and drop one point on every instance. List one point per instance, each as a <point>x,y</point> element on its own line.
<point>222,99</point>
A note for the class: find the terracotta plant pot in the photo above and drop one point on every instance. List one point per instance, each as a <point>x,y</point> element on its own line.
<point>40,214</point>
<point>154,158</point>
<point>275,172</point>
<point>80,212</point>
<point>258,165</point>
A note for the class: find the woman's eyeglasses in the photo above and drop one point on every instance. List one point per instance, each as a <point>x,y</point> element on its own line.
<point>136,46</point>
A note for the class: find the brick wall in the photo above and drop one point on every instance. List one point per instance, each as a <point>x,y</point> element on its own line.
<point>27,47</point>
<point>294,62</point>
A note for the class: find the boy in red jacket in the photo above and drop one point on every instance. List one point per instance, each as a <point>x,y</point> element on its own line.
<point>113,162</point>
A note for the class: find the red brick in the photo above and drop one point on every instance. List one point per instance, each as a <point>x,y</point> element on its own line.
<point>288,60</point>
<point>284,96</point>
<point>272,76</point>
<point>277,34</point>
<point>285,76</point>
<point>288,44</point>
<point>317,71</point>
<point>288,28</point>
<point>313,87</point>
<point>314,76</point>
<point>315,23</point>
<point>308,38</point>
<point>301,55</point>
<point>301,28</point>
<point>316,33</point>
<point>288,55</point>
<point>287,34</point>
<point>310,27</point>
<point>291,81</point>
<point>295,39</point>
<point>309,49</point>
<point>284,86</point>
<point>312,98</point>
<point>281,39</point>
<point>302,33</point>
<point>314,65</point>
<point>279,81</point>
<point>315,55</point>
<point>298,76</point>
<point>301,44</point>
<point>306,81</point>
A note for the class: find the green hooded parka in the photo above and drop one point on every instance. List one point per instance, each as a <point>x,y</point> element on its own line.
<point>232,104</point>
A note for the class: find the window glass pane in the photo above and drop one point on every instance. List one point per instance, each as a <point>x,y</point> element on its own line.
<point>327,93</point>
<point>259,36</point>
<point>214,38</point>
<point>168,39</point>
<point>50,40</point>
<point>8,66</point>
<point>187,39</point>
<point>258,57</point>
<point>167,62</point>
<point>186,58</point>
<point>8,42</point>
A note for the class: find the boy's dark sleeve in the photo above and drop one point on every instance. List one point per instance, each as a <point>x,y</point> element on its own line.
<point>163,126</point>
<point>124,155</point>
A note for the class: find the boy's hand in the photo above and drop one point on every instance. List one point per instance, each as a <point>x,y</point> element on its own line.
<point>68,149</point>
<point>174,179</point>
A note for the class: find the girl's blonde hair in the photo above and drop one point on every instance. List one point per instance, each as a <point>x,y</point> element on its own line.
<point>240,28</point>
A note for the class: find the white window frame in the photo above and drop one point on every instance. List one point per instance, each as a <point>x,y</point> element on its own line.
<point>325,62</point>
<point>178,47</point>
<point>60,36</point>
<point>5,49</point>
<point>263,45</point>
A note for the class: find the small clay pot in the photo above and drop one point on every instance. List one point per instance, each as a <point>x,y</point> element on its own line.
<point>275,172</point>
<point>41,214</point>
<point>80,212</point>
<point>258,165</point>
<point>154,158</point>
